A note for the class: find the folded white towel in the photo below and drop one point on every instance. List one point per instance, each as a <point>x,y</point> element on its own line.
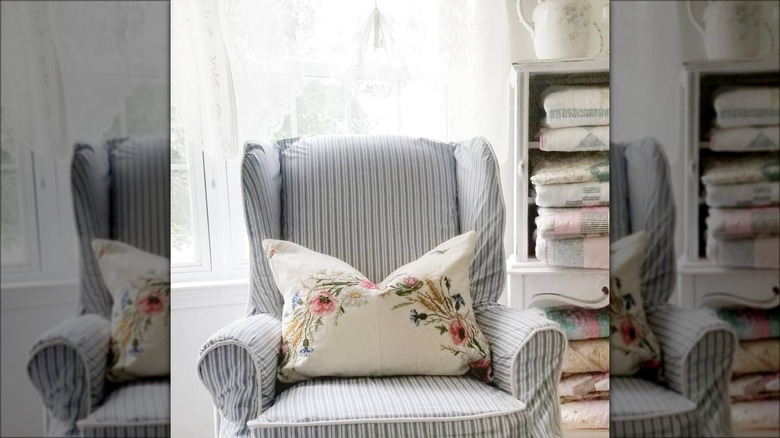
<point>576,106</point>
<point>585,414</point>
<point>737,223</point>
<point>586,194</point>
<point>758,252</point>
<point>752,138</point>
<point>576,138</point>
<point>756,415</point>
<point>585,252</point>
<point>743,195</point>
<point>747,107</point>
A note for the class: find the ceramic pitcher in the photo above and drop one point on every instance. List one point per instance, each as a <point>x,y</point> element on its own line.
<point>731,29</point>
<point>560,29</point>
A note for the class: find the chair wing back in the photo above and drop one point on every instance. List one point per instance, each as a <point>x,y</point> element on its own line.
<point>121,191</point>
<point>641,198</point>
<point>141,193</point>
<point>376,202</point>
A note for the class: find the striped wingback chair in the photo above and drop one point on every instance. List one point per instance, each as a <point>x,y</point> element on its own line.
<point>379,202</point>
<point>121,191</point>
<point>697,348</point>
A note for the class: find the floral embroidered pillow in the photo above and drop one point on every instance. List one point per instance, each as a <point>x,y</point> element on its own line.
<point>140,284</point>
<point>417,321</point>
<point>634,348</point>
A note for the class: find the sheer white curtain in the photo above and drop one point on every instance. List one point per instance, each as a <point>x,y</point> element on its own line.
<point>70,68</point>
<point>262,69</point>
<point>71,72</point>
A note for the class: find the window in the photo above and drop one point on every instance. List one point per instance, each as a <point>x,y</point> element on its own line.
<point>260,70</point>
<point>15,251</point>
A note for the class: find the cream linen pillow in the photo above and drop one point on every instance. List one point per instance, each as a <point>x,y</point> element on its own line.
<point>140,319</point>
<point>417,321</point>
<point>633,346</point>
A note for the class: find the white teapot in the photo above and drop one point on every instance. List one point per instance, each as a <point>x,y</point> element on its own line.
<point>731,29</point>
<point>561,28</point>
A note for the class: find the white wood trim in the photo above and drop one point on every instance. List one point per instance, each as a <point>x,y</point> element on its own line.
<point>209,294</point>
<point>39,294</point>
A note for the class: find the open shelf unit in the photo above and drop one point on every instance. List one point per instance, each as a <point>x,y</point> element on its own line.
<point>702,283</point>
<point>531,282</point>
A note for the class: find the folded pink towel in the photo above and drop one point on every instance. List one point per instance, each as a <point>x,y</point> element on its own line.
<point>563,223</point>
<point>732,223</point>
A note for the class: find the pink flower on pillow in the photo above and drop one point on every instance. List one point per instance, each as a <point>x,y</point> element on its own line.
<point>322,303</point>
<point>629,332</point>
<point>411,281</point>
<point>367,284</point>
<point>482,369</point>
<point>151,303</point>
<point>458,332</point>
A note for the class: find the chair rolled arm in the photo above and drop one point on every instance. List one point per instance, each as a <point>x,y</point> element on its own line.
<point>238,367</point>
<point>67,366</point>
<point>698,352</point>
<point>527,353</point>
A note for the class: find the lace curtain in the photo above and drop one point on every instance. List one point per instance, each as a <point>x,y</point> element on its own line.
<point>241,69</point>
<point>82,71</point>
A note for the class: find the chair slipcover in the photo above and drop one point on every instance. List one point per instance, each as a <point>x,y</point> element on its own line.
<point>121,191</point>
<point>697,348</point>
<point>378,202</point>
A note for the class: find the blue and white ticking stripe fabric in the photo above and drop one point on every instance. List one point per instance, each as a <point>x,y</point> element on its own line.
<point>375,202</point>
<point>138,409</point>
<point>141,194</point>
<point>639,408</point>
<point>121,191</point>
<point>392,407</point>
<point>527,352</point>
<point>90,184</point>
<point>378,202</point>
<point>238,367</point>
<point>697,348</point>
<point>642,199</point>
<point>698,352</point>
<point>67,366</point>
<point>481,208</point>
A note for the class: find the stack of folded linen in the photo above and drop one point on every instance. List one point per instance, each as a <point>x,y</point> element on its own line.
<point>584,385</point>
<point>741,174</point>
<point>572,195</point>
<point>755,385</point>
<point>743,221</point>
<point>570,177</point>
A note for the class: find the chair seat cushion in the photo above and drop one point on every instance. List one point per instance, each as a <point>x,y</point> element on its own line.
<point>138,409</point>
<point>392,406</point>
<point>640,408</point>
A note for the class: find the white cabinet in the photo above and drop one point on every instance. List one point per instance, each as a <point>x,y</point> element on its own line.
<point>701,282</point>
<point>531,282</point>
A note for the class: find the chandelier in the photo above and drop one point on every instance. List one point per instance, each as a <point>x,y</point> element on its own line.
<point>379,68</point>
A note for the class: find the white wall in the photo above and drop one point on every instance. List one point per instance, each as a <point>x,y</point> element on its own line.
<point>196,314</point>
<point>28,310</point>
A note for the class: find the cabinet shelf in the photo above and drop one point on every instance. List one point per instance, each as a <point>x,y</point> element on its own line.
<point>533,283</point>
<point>701,282</point>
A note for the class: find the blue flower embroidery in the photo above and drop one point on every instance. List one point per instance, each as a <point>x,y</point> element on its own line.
<point>294,300</point>
<point>458,300</point>
<point>125,300</point>
<point>417,317</point>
